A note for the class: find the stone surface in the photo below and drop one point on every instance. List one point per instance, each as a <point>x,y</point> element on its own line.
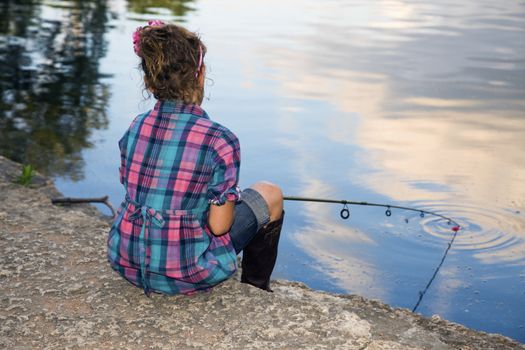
<point>57,291</point>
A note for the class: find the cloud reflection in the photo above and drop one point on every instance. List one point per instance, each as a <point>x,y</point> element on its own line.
<point>444,123</point>
<point>422,105</point>
<point>328,242</point>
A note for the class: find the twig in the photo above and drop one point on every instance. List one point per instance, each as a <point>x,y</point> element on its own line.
<point>69,200</point>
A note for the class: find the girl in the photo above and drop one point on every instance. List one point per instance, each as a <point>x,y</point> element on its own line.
<point>184,220</point>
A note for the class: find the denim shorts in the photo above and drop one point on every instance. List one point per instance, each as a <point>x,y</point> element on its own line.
<point>251,214</point>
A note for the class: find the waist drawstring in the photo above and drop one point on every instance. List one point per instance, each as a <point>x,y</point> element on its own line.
<point>150,216</point>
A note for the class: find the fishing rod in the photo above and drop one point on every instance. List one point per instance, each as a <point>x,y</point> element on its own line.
<point>345,212</point>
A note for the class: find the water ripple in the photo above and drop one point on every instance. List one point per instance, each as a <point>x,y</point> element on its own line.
<point>486,232</point>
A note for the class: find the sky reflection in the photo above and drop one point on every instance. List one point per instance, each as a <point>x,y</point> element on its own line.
<point>431,103</point>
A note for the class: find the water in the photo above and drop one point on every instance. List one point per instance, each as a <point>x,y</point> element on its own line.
<point>410,103</point>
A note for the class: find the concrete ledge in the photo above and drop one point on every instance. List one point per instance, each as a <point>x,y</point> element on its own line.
<point>57,291</point>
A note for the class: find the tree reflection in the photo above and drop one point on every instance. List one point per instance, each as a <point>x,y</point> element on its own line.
<point>177,7</point>
<point>51,94</point>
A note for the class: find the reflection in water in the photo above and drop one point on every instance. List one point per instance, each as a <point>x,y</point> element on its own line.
<point>448,126</point>
<point>52,97</point>
<point>323,235</point>
<point>172,7</point>
<point>432,97</point>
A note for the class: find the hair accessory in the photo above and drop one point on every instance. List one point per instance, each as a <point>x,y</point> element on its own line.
<point>200,62</point>
<point>136,34</point>
<point>156,23</point>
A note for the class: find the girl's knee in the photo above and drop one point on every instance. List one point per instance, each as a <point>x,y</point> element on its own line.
<point>273,196</point>
<point>269,191</point>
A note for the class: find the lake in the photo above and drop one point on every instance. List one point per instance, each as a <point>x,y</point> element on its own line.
<point>407,103</point>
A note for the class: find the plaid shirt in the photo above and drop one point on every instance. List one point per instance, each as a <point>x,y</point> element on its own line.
<point>175,161</point>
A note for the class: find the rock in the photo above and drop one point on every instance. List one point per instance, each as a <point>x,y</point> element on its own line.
<point>57,291</point>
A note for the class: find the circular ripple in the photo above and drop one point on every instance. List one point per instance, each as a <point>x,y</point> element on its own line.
<point>495,231</point>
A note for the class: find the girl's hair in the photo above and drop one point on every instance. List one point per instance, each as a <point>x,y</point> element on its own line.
<point>170,58</point>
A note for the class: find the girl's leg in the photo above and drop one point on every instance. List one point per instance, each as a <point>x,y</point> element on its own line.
<point>262,203</point>
<point>256,231</point>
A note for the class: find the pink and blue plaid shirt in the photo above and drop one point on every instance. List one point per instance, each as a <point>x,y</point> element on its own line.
<point>175,161</point>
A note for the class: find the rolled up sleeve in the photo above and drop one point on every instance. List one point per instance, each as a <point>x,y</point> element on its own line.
<point>224,184</point>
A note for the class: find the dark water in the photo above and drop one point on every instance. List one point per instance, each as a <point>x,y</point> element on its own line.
<point>411,103</point>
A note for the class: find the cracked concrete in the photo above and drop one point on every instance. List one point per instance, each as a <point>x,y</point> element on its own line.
<point>57,291</point>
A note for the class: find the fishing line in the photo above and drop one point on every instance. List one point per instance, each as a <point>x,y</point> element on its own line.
<point>424,291</point>
<point>345,214</point>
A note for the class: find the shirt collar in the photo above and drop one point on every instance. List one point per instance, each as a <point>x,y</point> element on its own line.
<point>180,107</point>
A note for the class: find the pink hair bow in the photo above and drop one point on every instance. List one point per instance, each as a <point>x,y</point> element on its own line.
<point>136,34</point>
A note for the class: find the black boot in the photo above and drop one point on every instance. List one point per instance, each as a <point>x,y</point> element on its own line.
<point>260,254</point>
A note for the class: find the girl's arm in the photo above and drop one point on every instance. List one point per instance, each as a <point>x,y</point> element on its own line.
<point>220,218</point>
